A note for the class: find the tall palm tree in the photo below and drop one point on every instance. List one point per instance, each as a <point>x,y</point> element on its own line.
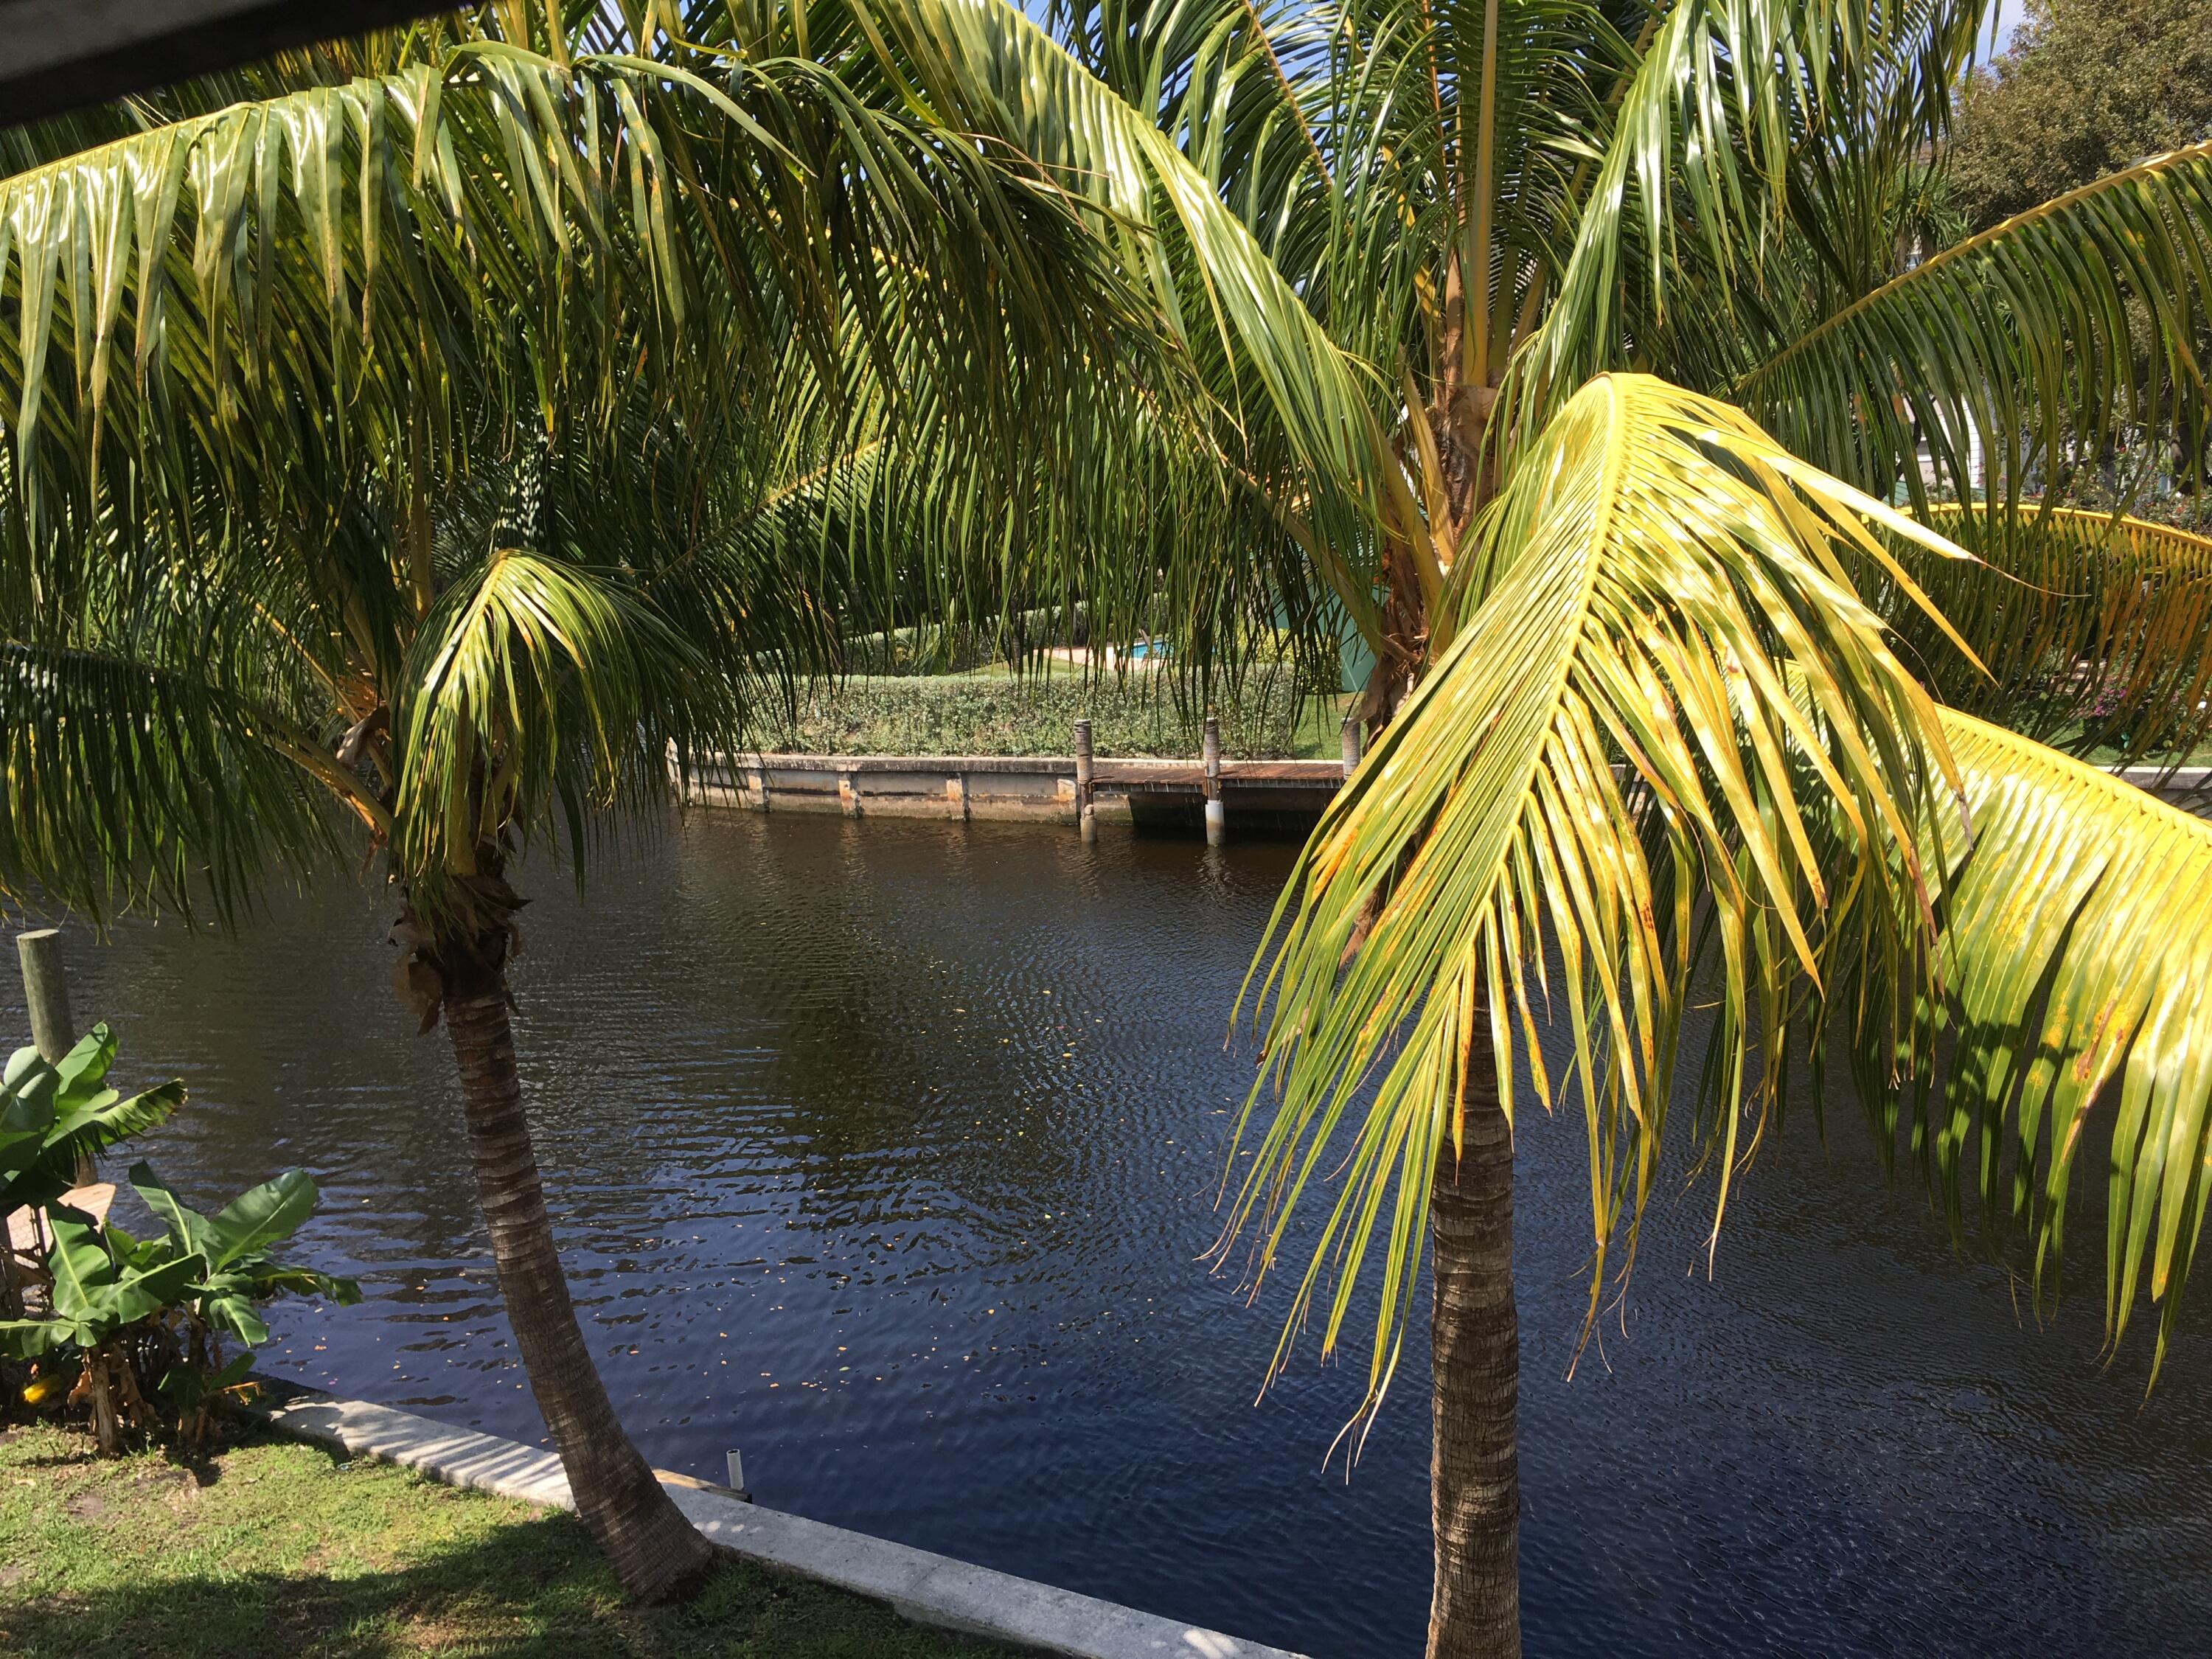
<point>1595,355</point>
<point>411,445</point>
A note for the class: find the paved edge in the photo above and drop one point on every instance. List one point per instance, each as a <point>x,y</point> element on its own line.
<point>926,1587</point>
<point>1298,771</point>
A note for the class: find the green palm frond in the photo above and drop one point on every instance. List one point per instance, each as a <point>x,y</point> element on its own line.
<point>1659,582</point>
<point>2096,629</point>
<point>126,781</point>
<point>539,681</point>
<point>1352,141</point>
<point>1858,199</point>
<point>983,67</point>
<point>460,245</point>
<point>2027,340</point>
<point>1732,108</point>
<point>342,245</point>
<point>1111,522</point>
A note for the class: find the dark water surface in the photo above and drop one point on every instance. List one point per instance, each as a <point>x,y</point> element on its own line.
<point>886,1153</point>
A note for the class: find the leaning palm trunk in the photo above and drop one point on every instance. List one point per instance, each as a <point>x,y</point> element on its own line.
<point>655,1552</point>
<point>1474,1365</point>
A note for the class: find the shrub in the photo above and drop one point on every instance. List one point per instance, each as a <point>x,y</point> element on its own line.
<point>137,1323</point>
<point>1000,715</point>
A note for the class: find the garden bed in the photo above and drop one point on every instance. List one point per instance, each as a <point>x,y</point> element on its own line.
<point>272,1546</point>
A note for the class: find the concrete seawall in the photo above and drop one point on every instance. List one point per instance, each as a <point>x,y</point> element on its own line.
<point>927,1588</point>
<point>1040,789</point>
<point>1285,796</point>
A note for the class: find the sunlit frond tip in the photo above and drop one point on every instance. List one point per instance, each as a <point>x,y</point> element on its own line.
<point>2076,995</point>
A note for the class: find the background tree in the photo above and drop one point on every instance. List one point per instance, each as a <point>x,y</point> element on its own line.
<point>2085,88</point>
<point>2082,92</point>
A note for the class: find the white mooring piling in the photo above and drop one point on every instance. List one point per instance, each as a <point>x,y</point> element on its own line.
<point>1217,816</point>
<point>1086,810</point>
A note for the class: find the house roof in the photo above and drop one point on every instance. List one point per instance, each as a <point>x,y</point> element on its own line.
<point>59,55</point>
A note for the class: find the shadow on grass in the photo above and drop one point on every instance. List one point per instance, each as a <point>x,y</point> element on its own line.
<point>532,1590</point>
<point>200,1463</point>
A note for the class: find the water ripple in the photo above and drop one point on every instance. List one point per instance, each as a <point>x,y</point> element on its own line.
<point>887,1153</point>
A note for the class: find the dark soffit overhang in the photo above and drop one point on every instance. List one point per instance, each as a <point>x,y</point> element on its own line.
<point>60,54</point>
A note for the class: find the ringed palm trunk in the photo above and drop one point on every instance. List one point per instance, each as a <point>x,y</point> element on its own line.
<point>1474,1331</point>
<point>1474,1365</point>
<point>656,1552</point>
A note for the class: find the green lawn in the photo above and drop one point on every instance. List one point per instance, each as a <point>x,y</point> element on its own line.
<point>275,1548</point>
<point>1319,734</point>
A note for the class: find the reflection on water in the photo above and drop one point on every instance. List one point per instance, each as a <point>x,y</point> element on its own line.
<point>887,1153</point>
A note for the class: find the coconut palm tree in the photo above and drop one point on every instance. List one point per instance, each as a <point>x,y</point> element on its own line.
<point>1598,355</point>
<point>413,446</point>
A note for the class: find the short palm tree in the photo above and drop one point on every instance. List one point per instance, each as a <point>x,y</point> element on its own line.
<point>412,446</point>
<point>1597,356</point>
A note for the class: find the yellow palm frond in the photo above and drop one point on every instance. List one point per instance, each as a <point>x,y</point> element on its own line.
<point>1660,583</point>
<point>2076,972</point>
<point>1669,731</point>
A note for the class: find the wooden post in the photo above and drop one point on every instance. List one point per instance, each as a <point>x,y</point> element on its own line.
<point>1217,816</point>
<point>45,995</point>
<point>1087,815</point>
<point>1353,739</point>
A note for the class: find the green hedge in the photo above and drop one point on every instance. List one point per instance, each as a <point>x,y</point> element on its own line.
<point>997,715</point>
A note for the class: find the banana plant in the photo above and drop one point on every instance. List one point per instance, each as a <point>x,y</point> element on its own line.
<point>100,1306</point>
<point>144,1318</point>
<point>237,1269</point>
<point>237,1272</point>
<point>52,1118</point>
<point>147,1317</point>
<point>53,1115</point>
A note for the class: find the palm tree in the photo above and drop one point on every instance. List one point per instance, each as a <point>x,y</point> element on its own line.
<point>1594,355</point>
<point>412,446</point>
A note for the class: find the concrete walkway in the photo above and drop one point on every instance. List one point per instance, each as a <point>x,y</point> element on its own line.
<point>930,1589</point>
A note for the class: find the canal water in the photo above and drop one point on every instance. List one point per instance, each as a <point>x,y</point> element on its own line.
<point>886,1153</point>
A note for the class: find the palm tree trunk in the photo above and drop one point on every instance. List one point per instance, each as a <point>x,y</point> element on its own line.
<point>1474,1365</point>
<point>656,1552</point>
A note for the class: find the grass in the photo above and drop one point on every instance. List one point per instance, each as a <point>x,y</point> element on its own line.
<point>272,1547</point>
<point>1319,734</point>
